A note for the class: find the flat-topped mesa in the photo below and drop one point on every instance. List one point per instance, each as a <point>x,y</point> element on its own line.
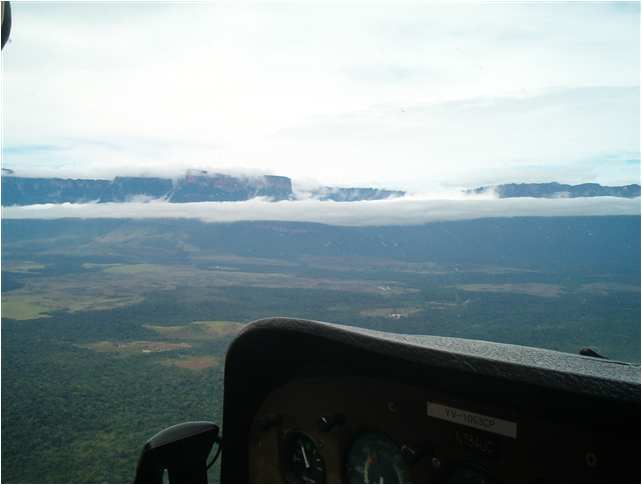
<point>202,187</point>
<point>195,186</point>
<point>553,190</point>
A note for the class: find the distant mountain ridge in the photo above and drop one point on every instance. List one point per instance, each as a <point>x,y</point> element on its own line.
<point>195,186</point>
<point>201,186</point>
<point>552,190</point>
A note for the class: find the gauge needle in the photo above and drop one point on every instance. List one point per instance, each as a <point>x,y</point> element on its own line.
<point>305,457</point>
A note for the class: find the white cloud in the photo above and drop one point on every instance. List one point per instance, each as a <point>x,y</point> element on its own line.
<point>402,211</point>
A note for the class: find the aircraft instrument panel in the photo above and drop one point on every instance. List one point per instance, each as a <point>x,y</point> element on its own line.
<point>358,430</point>
<point>309,402</point>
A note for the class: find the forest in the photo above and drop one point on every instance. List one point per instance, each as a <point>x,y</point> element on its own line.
<point>113,330</point>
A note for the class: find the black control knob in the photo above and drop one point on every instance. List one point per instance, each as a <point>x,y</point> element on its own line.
<point>326,423</point>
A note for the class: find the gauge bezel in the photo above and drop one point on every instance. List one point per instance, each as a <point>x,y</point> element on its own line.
<point>357,437</point>
<point>284,443</point>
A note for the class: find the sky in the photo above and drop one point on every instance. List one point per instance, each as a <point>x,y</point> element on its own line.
<point>411,96</point>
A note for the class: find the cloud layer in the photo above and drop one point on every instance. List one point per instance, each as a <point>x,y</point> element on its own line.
<point>402,211</point>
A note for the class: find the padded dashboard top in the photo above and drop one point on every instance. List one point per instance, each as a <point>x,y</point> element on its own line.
<point>571,372</point>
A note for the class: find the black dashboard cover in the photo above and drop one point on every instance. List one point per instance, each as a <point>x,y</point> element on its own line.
<point>270,352</point>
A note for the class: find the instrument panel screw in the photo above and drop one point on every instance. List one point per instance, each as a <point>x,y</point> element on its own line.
<point>392,406</point>
<point>591,459</point>
<point>436,463</point>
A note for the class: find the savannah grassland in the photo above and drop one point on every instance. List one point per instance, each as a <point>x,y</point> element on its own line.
<point>113,330</point>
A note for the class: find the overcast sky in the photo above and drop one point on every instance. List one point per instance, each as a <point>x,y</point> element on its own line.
<point>402,95</point>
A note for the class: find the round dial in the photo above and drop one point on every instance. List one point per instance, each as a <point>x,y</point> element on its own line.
<point>302,461</point>
<point>374,458</point>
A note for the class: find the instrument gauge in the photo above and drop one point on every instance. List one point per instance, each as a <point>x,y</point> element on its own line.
<point>302,462</point>
<point>375,458</point>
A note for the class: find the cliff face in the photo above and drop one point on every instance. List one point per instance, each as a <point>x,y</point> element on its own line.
<point>125,188</point>
<point>25,191</point>
<point>199,186</point>
<point>202,187</point>
<point>194,187</point>
<point>556,190</point>
<point>276,187</point>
